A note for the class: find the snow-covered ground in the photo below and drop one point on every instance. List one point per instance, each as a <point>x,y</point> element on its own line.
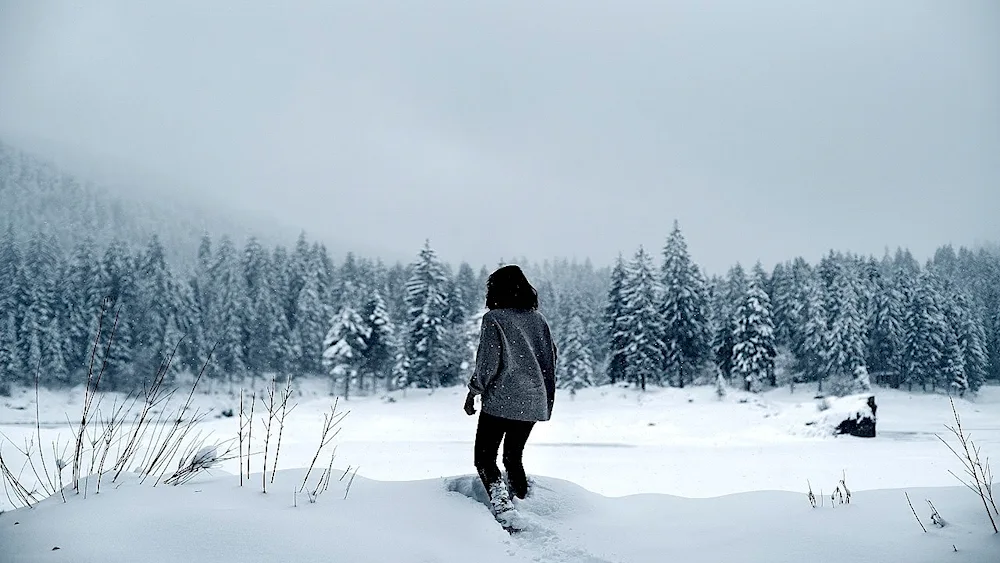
<point>605,442</point>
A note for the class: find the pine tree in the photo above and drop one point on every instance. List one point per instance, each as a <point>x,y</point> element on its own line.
<point>640,326</point>
<point>11,365</point>
<point>11,288</point>
<point>782,296</point>
<point>229,303</point>
<point>156,332</point>
<point>379,352</point>
<point>972,339</point>
<point>885,340</point>
<point>925,334</point>
<point>428,330</point>
<point>845,341</point>
<point>83,302</point>
<point>576,364</point>
<point>812,351</point>
<point>310,314</point>
<point>203,295</point>
<point>344,349</point>
<point>754,348</point>
<point>351,288</point>
<point>41,268</point>
<point>470,293</point>
<point>54,347</point>
<point>614,313</point>
<point>118,285</point>
<point>265,330</point>
<point>800,273</point>
<point>953,376</point>
<point>732,298</point>
<point>685,324</point>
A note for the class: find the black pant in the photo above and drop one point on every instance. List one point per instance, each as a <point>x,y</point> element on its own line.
<point>514,433</point>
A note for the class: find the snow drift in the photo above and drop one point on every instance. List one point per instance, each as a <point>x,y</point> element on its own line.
<point>212,519</point>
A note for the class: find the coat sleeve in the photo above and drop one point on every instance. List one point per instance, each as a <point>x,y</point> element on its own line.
<point>550,381</point>
<point>487,357</point>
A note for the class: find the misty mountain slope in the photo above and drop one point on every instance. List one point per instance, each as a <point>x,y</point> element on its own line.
<point>37,195</point>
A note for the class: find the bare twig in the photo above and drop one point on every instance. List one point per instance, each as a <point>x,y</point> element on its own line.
<point>330,421</point>
<point>91,387</point>
<point>914,512</point>
<point>285,411</point>
<point>38,424</point>
<point>936,518</point>
<point>351,482</point>
<point>253,399</point>
<point>268,421</point>
<point>240,434</point>
<point>979,477</point>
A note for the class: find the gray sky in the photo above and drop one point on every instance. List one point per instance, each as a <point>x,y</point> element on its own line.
<point>769,129</point>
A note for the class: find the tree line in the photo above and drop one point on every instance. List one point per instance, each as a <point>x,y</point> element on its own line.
<point>841,322</point>
<point>253,311</point>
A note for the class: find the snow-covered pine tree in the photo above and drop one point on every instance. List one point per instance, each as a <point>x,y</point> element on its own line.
<point>576,365</point>
<point>284,354</point>
<point>764,283</point>
<point>686,337</point>
<point>885,340</point>
<point>614,313</point>
<point>189,327</point>
<point>83,303</point>
<point>925,331</point>
<point>11,277</point>
<point>379,348</point>
<point>468,290</point>
<point>11,366</point>
<point>229,305</point>
<point>812,351</point>
<point>42,265</point>
<point>731,297</point>
<point>118,285</point>
<point>972,339</point>
<point>54,349</point>
<point>753,348</point>
<point>202,294</point>
<point>641,328</point>
<point>265,331</point>
<point>845,341</point>
<point>350,287</point>
<point>156,332</point>
<point>427,344</point>
<point>297,266</point>
<point>344,349</point>
<point>782,296</point>
<point>800,272</point>
<point>310,312</point>
<point>952,374</point>
<point>721,387</point>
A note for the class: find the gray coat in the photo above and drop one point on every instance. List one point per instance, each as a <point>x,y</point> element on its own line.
<point>515,365</point>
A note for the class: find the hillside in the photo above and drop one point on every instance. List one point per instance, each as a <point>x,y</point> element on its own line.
<point>37,195</point>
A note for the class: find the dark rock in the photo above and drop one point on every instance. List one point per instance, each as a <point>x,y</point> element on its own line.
<point>861,424</point>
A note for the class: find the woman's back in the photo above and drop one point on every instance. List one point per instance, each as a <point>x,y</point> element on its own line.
<point>515,365</point>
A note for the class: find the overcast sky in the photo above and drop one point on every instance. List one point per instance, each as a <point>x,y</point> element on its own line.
<point>769,129</point>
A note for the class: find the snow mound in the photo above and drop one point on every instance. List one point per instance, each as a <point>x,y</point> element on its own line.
<point>211,518</point>
<point>827,414</point>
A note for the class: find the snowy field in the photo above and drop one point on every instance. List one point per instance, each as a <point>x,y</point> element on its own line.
<point>605,442</point>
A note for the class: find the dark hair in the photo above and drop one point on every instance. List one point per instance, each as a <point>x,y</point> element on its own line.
<point>507,288</point>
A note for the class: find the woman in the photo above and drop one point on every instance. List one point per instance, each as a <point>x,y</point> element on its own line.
<point>515,374</point>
